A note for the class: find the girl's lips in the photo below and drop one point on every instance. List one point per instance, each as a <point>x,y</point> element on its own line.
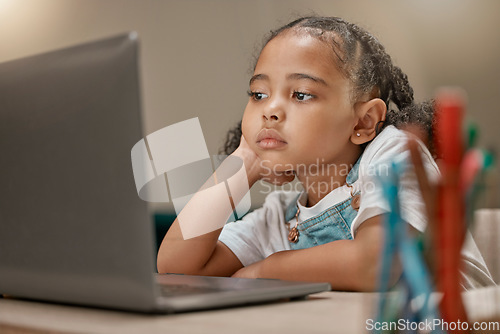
<point>270,139</point>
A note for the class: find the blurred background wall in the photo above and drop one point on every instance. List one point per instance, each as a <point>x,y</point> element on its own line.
<point>196,56</point>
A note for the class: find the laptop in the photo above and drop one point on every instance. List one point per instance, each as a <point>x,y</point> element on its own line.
<point>73,229</point>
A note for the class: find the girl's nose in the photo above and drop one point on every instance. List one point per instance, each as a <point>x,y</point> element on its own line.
<point>272,117</point>
<point>273,113</point>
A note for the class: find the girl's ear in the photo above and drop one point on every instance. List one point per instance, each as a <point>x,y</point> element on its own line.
<point>369,113</point>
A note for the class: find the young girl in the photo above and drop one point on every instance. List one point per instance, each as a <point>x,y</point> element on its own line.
<point>320,109</point>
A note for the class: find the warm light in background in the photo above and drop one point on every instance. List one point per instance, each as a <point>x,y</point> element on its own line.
<point>5,4</point>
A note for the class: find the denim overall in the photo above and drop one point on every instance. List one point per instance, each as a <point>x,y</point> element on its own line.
<point>332,224</point>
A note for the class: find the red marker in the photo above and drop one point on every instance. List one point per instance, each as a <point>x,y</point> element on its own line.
<point>450,207</point>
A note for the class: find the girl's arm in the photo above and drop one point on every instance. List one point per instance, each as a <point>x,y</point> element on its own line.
<point>346,264</point>
<point>204,254</point>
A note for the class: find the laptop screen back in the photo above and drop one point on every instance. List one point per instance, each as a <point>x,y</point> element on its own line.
<point>72,228</point>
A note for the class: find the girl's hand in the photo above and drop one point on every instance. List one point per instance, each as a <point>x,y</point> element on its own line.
<point>255,168</point>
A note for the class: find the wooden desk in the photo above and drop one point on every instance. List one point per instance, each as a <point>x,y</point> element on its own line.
<point>327,312</point>
<point>330,312</point>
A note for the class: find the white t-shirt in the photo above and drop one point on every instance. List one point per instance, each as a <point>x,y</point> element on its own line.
<point>264,231</point>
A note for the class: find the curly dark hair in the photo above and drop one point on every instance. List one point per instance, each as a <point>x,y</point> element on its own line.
<point>421,115</point>
<point>362,59</point>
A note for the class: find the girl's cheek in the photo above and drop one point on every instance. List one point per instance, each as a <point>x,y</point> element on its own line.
<point>245,123</point>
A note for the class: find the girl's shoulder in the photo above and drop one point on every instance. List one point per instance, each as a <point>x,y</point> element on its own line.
<point>388,145</point>
<point>391,146</point>
<point>390,136</point>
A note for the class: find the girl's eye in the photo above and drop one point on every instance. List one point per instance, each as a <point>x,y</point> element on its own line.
<point>257,96</point>
<point>302,96</point>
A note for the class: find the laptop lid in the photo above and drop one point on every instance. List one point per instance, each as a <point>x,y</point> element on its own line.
<point>72,228</point>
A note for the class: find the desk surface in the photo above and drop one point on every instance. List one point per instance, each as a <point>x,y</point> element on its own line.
<point>332,312</point>
<point>327,312</point>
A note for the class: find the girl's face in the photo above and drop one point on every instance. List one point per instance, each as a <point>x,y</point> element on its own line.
<point>299,113</point>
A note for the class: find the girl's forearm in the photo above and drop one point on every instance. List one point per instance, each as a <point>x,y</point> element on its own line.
<point>351,265</point>
<point>177,255</point>
<point>191,242</point>
<point>319,264</point>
